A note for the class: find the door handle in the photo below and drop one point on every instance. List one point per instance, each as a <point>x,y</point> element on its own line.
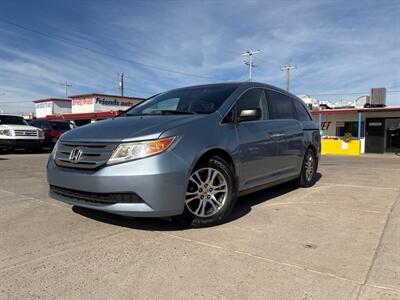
<point>277,135</point>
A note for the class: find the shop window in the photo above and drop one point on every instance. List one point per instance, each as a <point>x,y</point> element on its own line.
<point>351,127</point>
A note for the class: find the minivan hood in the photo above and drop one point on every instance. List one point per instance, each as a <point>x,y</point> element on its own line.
<point>126,129</point>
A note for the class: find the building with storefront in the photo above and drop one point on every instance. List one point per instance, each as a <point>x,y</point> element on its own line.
<point>377,129</point>
<point>86,108</point>
<point>52,106</point>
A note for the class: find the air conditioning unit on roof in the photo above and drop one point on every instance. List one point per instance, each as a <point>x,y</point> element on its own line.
<point>377,98</point>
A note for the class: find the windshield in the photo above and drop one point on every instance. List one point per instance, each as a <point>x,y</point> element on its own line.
<point>196,100</point>
<point>12,120</point>
<point>62,126</point>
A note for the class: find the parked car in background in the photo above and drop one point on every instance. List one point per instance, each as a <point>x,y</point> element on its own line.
<point>52,130</point>
<point>16,133</point>
<point>188,152</point>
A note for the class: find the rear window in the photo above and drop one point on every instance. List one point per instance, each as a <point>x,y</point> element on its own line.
<point>302,113</point>
<point>282,106</point>
<point>61,126</point>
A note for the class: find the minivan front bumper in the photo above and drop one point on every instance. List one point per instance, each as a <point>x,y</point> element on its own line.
<point>151,187</point>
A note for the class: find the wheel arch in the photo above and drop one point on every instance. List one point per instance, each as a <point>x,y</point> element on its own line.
<point>221,153</point>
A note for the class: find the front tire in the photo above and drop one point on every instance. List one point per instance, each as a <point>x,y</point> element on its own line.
<point>308,175</point>
<point>211,194</point>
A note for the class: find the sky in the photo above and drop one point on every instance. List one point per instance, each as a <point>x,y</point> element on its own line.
<point>341,48</point>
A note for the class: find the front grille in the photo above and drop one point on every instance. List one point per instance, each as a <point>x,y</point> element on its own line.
<point>26,132</point>
<point>94,155</point>
<point>99,198</point>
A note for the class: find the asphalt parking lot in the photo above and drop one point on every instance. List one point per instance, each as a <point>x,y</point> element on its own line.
<point>337,240</point>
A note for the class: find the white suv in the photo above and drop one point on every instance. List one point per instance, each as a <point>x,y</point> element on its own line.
<point>15,132</point>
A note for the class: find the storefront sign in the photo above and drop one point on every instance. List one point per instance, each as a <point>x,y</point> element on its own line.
<point>82,101</point>
<point>113,102</point>
<point>43,109</point>
<point>325,125</point>
<point>376,124</point>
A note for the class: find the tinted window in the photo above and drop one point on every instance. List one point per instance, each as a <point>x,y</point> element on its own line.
<point>12,120</point>
<point>282,106</point>
<point>197,100</point>
<point>169,104</point>
<point>61,126</point>
<point>43,124</point>
<point>302,113</point>
<point>254,98</point>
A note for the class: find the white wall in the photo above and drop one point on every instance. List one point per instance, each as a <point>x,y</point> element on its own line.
<point>62,107</point>
<point>82,105</point>
<point>43,109</point>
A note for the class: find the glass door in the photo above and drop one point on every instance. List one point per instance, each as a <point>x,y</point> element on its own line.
<point>393,135</point>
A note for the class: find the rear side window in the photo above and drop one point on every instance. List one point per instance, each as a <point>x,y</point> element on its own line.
<point>251,99</point>
<point>43,124</point>
<point>282,106</point>
<point>302,113</point>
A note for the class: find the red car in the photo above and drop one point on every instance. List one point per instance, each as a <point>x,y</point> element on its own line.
<point>52,130</point>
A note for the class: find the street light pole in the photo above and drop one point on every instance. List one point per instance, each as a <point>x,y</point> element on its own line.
<point>287,68</point>
<point>1,104</point>
<point>66,85</point>
<point>121,83</point>
<point>249,62</point>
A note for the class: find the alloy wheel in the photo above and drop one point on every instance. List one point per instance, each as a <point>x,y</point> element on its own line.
<point>309,167</point>
<point>207,192</point>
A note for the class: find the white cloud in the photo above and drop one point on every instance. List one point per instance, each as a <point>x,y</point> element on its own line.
<point>337,48</point>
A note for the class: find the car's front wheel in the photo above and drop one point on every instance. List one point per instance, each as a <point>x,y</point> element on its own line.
<point>210,195</point>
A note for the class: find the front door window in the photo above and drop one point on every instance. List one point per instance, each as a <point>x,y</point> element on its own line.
<point>393,135</point>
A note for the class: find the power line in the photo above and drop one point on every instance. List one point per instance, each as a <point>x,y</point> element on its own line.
<point>1,103</point>
<point>249,62</point>
<point>288,68</point>
<point>62,40</point>
<point>344,94</point>
<point>16,101</point>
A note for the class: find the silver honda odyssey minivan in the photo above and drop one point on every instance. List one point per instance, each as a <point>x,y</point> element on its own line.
<point>188,152</point>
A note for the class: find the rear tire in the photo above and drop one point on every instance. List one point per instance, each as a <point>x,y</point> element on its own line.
<point>211,194</point>
<point>308,175</point>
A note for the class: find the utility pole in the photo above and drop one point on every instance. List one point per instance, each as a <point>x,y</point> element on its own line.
<point>66,85</point>
<point>121,83</point>
<point>1,105</point>
<point>249,62</point>
<point>287,68</point>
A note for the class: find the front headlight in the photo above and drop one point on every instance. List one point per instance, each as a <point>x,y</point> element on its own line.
<point>7,132</point>
<point>40,133</point>
<point>131,151</point>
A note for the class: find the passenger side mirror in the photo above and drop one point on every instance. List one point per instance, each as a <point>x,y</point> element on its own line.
<point>252,114</point>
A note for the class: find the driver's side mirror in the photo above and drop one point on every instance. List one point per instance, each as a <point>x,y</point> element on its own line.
<point>252,114</point>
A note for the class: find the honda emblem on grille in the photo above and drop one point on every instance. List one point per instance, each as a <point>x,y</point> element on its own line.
<point>75,155</point>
